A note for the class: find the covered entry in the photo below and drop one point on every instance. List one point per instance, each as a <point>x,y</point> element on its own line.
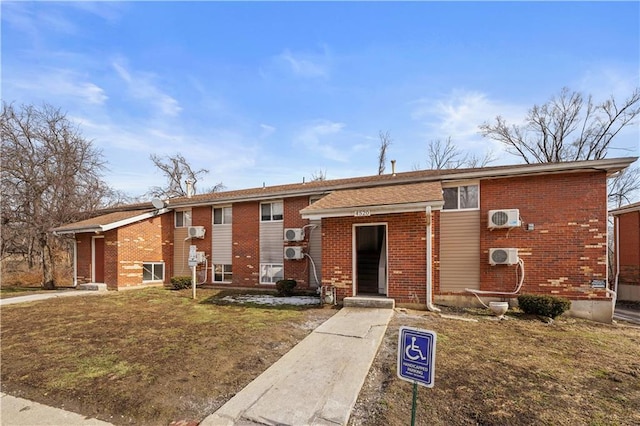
<point>370,254</point>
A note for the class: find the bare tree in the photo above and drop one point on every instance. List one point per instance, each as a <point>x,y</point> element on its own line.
<point>569,127</point>
<point>50,175</point>
<point>318,175</point>
<point>385,141</point>
<point>177,171</point>
<point>623,186</point>
<point>446,155</point>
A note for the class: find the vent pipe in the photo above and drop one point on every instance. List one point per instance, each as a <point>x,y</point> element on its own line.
<point>393,167</point>
<point>189,184</point>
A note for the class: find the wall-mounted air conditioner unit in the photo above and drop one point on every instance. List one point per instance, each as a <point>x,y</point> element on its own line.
<point>505,218</point>
<point>503,256</point>
<point>293,253</point>
<point>195,231</point>
<point>293,234</point>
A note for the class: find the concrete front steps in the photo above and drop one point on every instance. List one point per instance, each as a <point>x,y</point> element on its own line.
<point>368,302</point>
<point>93,287</point>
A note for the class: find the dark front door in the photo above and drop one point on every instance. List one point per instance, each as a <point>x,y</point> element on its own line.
<point>369,243</point>
<point>98,260</point>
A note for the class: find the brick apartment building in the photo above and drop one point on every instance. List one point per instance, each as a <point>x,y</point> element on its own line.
<point>626,263</point>
<point>421,237</point>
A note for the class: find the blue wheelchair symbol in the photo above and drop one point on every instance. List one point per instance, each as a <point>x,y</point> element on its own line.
<point>416,355</point>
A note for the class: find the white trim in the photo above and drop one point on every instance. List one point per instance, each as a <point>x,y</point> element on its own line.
<point>164,271</point>
<point>75,261</point>
<point>93,258</point>
<point>354,255</point>
<point>113,225</point>
<point>375,210</point>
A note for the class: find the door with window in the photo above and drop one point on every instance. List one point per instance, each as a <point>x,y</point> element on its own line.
<point>371,259</point>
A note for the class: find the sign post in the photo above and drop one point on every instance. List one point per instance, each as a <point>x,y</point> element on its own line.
<point>193,262</point>
<point>416,360</point>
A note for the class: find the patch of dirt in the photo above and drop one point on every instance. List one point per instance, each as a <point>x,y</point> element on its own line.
<point>518,371</point>
<point>151,356</point>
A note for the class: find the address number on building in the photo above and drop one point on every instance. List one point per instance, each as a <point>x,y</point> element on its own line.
<point>360,213</point>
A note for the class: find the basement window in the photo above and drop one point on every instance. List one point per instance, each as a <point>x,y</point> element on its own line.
<point>153,271</point>
<point>270,273</point>
<point>466,197</point>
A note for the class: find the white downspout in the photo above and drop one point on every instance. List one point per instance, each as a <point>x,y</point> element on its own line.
<point>429,263</point>
<point>614,293</point>
<point>75,261</point>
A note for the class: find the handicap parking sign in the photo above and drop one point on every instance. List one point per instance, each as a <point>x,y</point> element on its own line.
<point>416,355</point>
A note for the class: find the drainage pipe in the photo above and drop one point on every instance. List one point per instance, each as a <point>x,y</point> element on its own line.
<point>75,261</point>
<point>616,247</point>
<point>429,263</point>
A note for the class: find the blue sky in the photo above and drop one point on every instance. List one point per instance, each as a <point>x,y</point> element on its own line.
<point>275,91</point>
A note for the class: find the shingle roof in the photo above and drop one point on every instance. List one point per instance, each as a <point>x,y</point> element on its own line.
<point>379,196</point>
<point>609,165</point>
<point>626,209</point>
<point>97,223</point>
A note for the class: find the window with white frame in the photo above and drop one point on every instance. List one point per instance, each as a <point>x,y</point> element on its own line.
<point>270,273</point>
<point>222,273</point>
<point>152,271</point>
<point>271,211</point>
<point>222,216</point>
<point>463,197</point>
<point>183,218</point>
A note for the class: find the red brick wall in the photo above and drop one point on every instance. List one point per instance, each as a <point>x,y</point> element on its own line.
<point>149,240</point>
<point>83,254</point>
<point>297,269</point>
<point>568,247</point>
<point>111,264</point>
<point>246,244</point>
<point>629,248</point>
<point>406,243</point>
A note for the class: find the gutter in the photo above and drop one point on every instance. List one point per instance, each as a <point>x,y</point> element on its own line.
<point>430,306</point>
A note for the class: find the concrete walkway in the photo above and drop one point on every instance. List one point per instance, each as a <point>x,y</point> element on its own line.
<point>318,381</point>
<point>45,296</point>
<point>627,314</point>
<point>18,411</point>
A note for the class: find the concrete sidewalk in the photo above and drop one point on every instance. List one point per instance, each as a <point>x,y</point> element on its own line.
<point>45,296</point>
<point>18,411</point>
<point>318,381</point>
<point>627,314</point>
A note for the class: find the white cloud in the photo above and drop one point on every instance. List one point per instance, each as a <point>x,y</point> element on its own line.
<point>305,65</point>
<point>266,131</point>
<point>142,86</point>
<point>460,113</point>
<point>320,137</point>
<point>59,83</point>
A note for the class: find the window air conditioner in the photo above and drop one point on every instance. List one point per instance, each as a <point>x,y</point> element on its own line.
<point>503,256</point>
<point>506,218</point>
<point>293,253</point>
<point>196,231</point>
<point>293,234</point>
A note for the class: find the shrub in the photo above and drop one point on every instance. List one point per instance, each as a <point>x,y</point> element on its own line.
<point>543,305</point>
<point>180,282</point>
<point>285,287</point>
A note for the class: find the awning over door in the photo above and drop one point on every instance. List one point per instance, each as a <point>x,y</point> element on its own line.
<point>377,200</point>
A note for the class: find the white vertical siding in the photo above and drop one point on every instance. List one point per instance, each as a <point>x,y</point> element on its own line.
<point>459,250</point>
<point>315,251</point>
<point>181,252</point>
<point>271,242</point>
<point>221,244</point>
